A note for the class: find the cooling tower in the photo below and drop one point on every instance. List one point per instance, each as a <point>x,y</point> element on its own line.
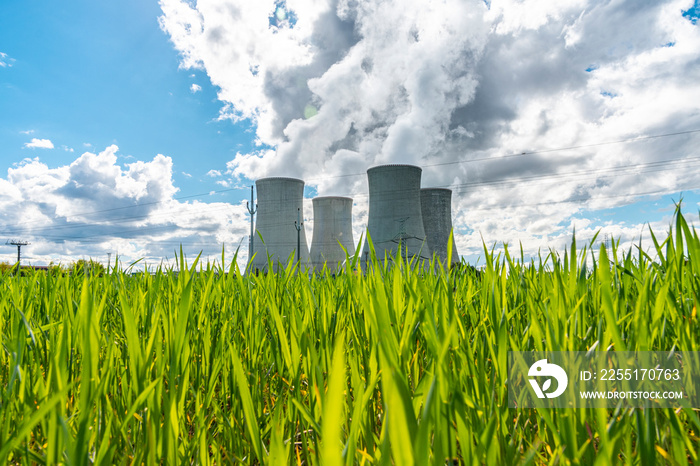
<point>395,212</point>
<point>436,208</point>
<point>332,227</point>
<point>278,202</point>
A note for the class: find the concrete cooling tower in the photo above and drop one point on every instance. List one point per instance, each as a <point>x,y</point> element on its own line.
<point>278,201</point>
<point>395,212</point>
<point>436,208</point>
<point>332,227</point>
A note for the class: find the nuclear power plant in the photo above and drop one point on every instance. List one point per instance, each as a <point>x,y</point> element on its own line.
<point>332,232</point>
<point>280,208</point>
<point>395,212</point>
<point>401,215</point>
<point>436,207</point>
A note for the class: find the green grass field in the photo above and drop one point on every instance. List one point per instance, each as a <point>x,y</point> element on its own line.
<point>396,366</point>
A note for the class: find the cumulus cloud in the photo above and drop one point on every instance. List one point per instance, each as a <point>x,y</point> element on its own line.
<point>510,104</point>
<point>95,205</point>
<point>194,88</point>
<point>39,144</point>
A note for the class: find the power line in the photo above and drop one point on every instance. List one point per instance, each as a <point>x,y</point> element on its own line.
<point>583,146</point>
<point>134,206</point>
<point>193,209</point>
<point>483,159</point>
<point>178,198</point>
<point>651,166</point>
<point>534,152</point>
<point>578,175</point>
<point>662,165</point>
<point>93,238</point>
<point>595,198</point>
<point>656,167</point>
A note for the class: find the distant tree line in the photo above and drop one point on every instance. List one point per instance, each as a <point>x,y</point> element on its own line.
<point>79,267</point>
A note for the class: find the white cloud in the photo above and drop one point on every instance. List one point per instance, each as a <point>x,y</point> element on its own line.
<point>355,84</point>
<point>214,173</point>
<point>95,205</point>
<point>67,149</point>
<point>39,144</point>
<point>29,131</point>
<point>194,88</point>
<point>250,165</point>
<point>187,175</point>
<point>6,61</point>
<point>244,53</point>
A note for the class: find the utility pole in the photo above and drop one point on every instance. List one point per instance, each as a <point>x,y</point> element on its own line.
<point>298,225</point>
<point>402,237</point>
<point>19,245</point>
<point>252,211</point>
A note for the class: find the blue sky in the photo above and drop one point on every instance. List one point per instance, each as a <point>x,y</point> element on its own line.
<point>116,116</point>
<point>103,73</point>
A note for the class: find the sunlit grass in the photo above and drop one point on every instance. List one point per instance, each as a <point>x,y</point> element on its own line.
<point>395,366</point>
